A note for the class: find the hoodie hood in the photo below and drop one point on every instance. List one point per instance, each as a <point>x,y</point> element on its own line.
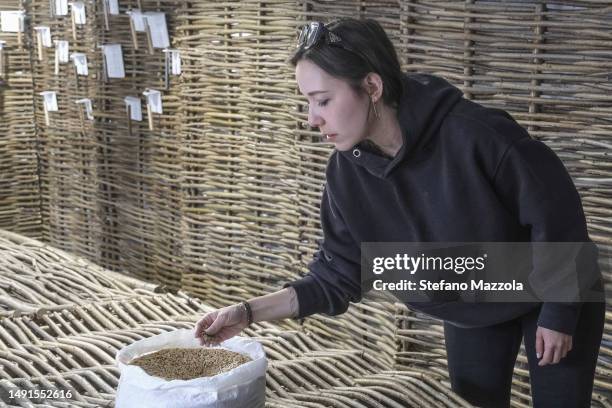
<point>426,100</point>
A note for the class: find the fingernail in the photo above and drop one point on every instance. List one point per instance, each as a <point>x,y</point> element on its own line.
<point>538,355</point>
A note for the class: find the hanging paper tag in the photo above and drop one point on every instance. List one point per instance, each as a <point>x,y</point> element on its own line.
<point>78,9</point>
<point>45,35</point>
<point>137,20</point>
<point>113,56</point>
<point>11,21</point>
<point>80,61</point>
<point>88,108</point>
<point>50,100</point>
<point>62,49</point>
<point>175,63</point>
<point>135,107</point>
<point>154,100</point>
<point>158,28</point>
<point>61,7</point>
<point>113,7</point>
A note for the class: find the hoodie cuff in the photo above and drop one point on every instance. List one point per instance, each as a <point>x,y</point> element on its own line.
<point>309,295</point>
<point>561,317</point>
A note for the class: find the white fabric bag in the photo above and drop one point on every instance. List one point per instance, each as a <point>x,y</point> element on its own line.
<point>243,386</point>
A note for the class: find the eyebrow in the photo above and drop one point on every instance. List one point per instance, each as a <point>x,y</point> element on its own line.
<point>315,92</point>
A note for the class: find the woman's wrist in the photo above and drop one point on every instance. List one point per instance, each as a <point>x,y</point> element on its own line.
<point>282,304</point>
<point>248,312</point>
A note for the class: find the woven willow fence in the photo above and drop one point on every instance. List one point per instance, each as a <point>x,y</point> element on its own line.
<point>221,198</point>
<point>19,188</point>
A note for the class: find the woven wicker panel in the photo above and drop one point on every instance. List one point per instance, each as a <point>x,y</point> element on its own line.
<point>110,188</point>
<point>143,168</point>
<point>241,191</point>
<point>67,339</point>
<point>67,149</point>
<point>19,189</point>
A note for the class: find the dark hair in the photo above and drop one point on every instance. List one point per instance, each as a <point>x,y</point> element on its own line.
<point>369,38</point>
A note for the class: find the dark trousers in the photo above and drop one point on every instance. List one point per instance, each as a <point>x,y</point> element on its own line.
<point>481,361</point>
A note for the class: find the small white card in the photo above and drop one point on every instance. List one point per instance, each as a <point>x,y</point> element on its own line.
<point>50,100</point>
<point>135,107</point>
<point>137,20</point>
<point>61,7</point>
<point>113,55</point>
<point>62,50</point>
<point>45,35</point>
<point>80,61</point>
<point>11,21</point>
<point>113,7</point>
<point>88,108</point>
<point>158,28</point>
<point>175,62</point>
<point>78,9</point>
<point>154,100</point>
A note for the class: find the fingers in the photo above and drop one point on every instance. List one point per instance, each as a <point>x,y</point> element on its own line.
<point>539,344</point>
<point>204,323</point>
<point>224,334</point>
<point>559,353</point>
<point>219,325</point>
<point>551,346</point>
<point>554,352</point>
<point>547,357</point>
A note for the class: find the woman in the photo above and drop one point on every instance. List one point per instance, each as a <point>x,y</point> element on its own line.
<point>415,162</point>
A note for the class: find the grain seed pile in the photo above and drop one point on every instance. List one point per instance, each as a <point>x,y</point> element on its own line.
<point>189,363</point>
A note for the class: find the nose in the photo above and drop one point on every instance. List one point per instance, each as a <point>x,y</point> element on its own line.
<point>314,119</point>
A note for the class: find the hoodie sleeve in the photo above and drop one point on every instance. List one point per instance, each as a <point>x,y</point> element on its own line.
<point>533,183</point>
<point>334,277</point>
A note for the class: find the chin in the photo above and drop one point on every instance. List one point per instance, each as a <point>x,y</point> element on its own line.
<point>343,146</point>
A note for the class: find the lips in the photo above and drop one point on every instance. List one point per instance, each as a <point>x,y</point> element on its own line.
<point>331,136</point>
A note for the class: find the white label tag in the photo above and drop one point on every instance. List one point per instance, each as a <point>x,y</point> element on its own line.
<point>80,61</point>
<point>114,60</point>
<point>135,107</point>
<point>78,9</point>
<point>11,21</point>
<point>50,100</point>
<point>176,62</point>
<point>137,20</point>
<point>62,50</point>
<point>113,7</point>
<point>45,35</point>
<point>158,28</point>
<point>61,7</point>
<point>88,108</point>
<point>154,100</point>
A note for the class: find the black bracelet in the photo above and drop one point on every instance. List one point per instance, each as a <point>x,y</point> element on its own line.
<point>249,312</point>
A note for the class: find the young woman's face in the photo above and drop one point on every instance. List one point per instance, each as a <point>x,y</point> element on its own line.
<point>334,107</point>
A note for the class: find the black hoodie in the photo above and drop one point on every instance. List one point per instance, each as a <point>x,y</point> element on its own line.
<point>465,173</point>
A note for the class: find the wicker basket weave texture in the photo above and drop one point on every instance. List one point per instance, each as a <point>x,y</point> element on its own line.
<point>20,208</point>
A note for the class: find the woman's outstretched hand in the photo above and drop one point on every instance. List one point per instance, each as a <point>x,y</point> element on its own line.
<point>221,324</point>
<point>551,346</point>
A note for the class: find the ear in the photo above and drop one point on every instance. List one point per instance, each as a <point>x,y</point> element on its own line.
<point>373,85</point>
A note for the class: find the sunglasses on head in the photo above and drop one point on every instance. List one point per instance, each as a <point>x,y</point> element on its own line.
<point>312,33</point>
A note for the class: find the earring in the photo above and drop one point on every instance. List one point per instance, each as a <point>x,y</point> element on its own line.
<point>376,114</point>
